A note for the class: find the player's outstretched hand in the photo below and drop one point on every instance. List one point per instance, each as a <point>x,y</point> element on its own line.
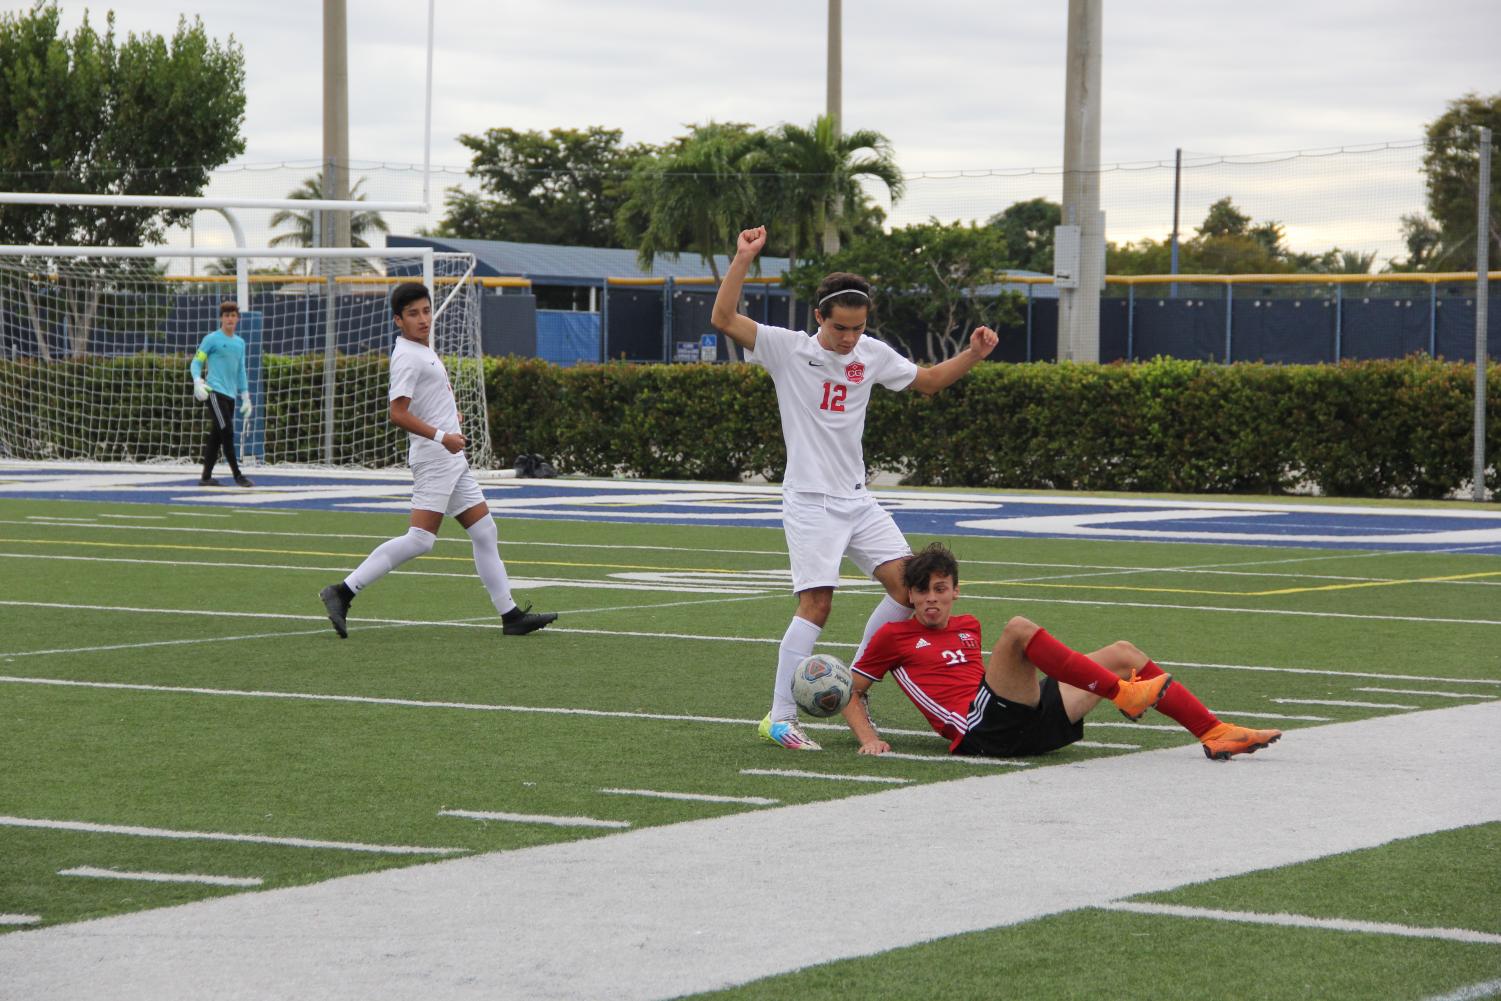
<point>983,341</point>
<point>874,747</point>
<point>751,241</point>
<point>454,442</point>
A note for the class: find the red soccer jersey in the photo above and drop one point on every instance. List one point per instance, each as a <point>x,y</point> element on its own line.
<point>940,670</point>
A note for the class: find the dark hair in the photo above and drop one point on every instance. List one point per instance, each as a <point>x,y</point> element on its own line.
<point>407,293</point>
<point>934,559</point>
<point>842,289</point>
<point>229,306</point>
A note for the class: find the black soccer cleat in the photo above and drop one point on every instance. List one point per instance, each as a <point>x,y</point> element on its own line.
<point>338,608</point>
<point>243,481</point>
<point>208,481</point>
<point>527,621</point>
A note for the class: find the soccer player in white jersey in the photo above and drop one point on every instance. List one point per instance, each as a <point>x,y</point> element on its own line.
<point>823,383</point>
<point>422,404</point>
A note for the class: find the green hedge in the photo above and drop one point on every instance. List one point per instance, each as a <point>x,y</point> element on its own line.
<point>1358,429</point>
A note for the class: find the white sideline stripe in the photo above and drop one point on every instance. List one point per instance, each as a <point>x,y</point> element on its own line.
<point>137,517</point>
<point>597,584</point>
<point>1337,702</point>
<point>1306,719</point>
<point>1417,691</point>
<point>535,818</point>
<point>1236,611</point>
<point>162,877</point>
<point>19,919</point>
<point>960,759</point>
<point>794,773</point>
<point>1335,674</point>
<point>10,655</point>
<point>257,839</point>
<point>199,514</point>
<point>696,797</point>
<point>1165,727</point>
<point>1303,921</point>
<point>1474,992</point>
<point>1110,747</point>
<point>261,510</point>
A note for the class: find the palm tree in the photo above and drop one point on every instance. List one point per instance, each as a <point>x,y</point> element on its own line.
<point>695,195</point>
<point>817,176</point>
<point>303,223</point>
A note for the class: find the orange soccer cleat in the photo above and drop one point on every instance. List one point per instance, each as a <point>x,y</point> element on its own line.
<point>1136,697</point>
<point>1225,740</point>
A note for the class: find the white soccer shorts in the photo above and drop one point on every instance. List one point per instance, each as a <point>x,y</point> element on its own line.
<point>446,487</point>
<point>822,529</point>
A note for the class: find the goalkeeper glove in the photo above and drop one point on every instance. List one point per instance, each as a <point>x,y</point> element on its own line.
<point>245,405</point>
<point>200,390</point>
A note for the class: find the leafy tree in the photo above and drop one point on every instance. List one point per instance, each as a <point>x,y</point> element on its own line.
<point>304,225</point>
<point>89,114</point>
<point>930,281</point>
<point>1452,163</point>
<point>564,186</point>
<point>695,195</point>
<point>1027,228</point>
<point>1425,245</point>
<point>1227,243</point>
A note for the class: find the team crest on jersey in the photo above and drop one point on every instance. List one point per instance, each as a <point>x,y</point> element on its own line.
<point>854,372</point>
<point>969,641</point>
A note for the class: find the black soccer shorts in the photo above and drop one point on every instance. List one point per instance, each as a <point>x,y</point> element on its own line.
<point>1002,729</point>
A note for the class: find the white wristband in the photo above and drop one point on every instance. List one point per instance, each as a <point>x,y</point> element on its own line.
<point>438,435</point>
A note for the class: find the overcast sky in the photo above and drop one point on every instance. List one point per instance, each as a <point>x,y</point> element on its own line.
<point>955,84</point>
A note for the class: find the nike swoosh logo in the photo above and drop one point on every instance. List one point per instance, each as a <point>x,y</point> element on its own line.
<point>815,364</point>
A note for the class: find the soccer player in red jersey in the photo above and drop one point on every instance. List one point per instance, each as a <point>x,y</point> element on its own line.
<point>1001,709</point>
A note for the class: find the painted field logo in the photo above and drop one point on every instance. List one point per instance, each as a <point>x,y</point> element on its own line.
<point>854,372</point>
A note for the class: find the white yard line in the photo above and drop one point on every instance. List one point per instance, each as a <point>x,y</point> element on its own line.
<point>201,514</point>
<point>1238,714</point>
<point>162,877</point>
<point>137,517</point>
<point>795,773</point>
<point>648,906</point>
<point>1235,611</point>
<point>19,919</point>
<point>1331,674</point>
<point>1302,921</point>
<point>1472,992</point>
<point>956,759</point>
<point>1337,702</point>
<point>535,818</point>
<point>1109,747</point>
<point>692,797</point>
<point>1418,691</point>
<point>257,839</point>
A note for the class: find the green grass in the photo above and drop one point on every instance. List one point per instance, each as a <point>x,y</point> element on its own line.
<point>380,773</point>
<point>1427,881</point>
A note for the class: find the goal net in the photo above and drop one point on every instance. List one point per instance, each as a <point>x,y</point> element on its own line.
<point>94,356</point>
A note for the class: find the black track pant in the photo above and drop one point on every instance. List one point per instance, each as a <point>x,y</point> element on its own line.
<point>221,434</point>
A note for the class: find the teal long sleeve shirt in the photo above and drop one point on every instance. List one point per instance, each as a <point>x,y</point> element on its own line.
<point>225,358</point>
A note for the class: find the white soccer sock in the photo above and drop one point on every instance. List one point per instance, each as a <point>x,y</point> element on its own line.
<point>889,610</point>
<point>388,556</point>
<point>487,561</point>
<point>797,644</point>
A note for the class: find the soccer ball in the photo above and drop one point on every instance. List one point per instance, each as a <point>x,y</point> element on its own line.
<point>821,685</point>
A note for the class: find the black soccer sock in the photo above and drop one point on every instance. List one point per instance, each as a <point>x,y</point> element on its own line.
<point>344,592</point>
<point>513,614</point>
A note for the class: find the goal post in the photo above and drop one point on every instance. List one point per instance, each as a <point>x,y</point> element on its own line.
<point>95,345</point>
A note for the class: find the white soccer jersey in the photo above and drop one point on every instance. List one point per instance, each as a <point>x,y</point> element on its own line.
<point>417,372</point>
<point>822,398</point>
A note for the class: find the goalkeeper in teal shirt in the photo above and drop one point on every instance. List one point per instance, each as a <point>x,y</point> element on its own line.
<point>218,377</point>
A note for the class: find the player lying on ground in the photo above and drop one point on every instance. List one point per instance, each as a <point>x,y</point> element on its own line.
<point>1001,710</point>
<point>218,370</point>
<point>422,404</point>
<point>823,384</point>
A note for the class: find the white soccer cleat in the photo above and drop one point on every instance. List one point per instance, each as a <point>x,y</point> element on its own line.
<point>788,734</point>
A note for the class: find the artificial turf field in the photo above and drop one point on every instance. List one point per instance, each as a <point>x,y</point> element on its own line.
<point>169,669</point>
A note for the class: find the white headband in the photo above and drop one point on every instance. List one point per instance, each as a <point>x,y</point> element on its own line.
<point>843,291</point>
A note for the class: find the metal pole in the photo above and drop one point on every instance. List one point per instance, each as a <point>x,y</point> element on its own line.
<point>1482,307</point>
<point>835,111</point>
<point>667,293</point>
<point>336,115</point>
<point>1229,313</point>
<point>427,115</point>
<point>1131,322</point>
<point>1433,319</point>
<point>1030,286</point>
<point>1177,201</point>
<point>1079,308</point>
<point>1339,320</point>
<point>330,353</point>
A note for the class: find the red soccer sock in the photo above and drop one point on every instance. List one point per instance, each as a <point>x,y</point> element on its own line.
<point>1180,705</point>
<point>1069,666</point>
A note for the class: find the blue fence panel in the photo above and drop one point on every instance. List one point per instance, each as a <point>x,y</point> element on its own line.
<point>1284,331</point>
<point>1180,328</point>
<point>1385,327</point>
<point>566,338</point>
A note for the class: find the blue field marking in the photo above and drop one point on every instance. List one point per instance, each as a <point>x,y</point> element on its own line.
<point>941,513</point>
